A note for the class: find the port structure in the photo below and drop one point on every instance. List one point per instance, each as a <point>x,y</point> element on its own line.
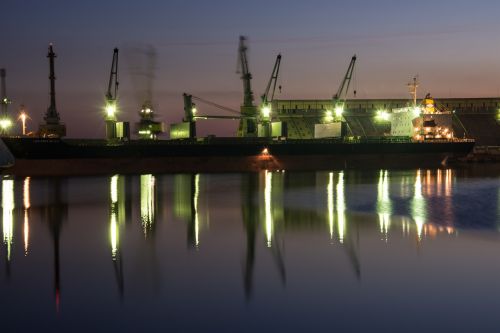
<point>248,122</point>
<point>265,119</point>
<point>5,119</point>
<point>147,128</point>
<point>52,128</point>
<point>339,99</point>
<point>115,130</point>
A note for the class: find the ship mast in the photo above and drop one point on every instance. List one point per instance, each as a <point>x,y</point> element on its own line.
<point>412,87</point>
<point>52,128</point>
<point>52,116</point>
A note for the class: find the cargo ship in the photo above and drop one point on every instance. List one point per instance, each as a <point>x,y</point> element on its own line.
<point>418,140</point>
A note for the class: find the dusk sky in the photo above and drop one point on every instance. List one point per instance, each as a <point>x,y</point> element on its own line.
<point>454,47</point>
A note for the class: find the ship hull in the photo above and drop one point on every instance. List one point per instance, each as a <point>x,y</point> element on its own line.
<point>37,157</point>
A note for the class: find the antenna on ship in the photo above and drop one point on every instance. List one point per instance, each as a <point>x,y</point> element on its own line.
<point>52,128</point>
<point>5,121</point>
<point>412,87</point>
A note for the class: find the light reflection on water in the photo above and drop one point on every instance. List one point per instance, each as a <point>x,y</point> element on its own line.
<point>124,235</point>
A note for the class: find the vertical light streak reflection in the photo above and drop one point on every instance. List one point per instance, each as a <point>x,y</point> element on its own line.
<point>113,225</point>
<point>147,202</point>
<point>267,206</point>
<point>384,208</point>
<point>27,205</point>
<point>196,215</point>
<point>329,191</point>
<point>7,213</point>
<point>418,206</point>
<point>341,207</point>
<point>447,182</point>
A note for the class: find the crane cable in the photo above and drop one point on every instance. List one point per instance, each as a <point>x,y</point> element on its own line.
<point>224,108</point>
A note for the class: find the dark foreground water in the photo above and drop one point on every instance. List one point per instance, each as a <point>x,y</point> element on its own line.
<point>390,251</point>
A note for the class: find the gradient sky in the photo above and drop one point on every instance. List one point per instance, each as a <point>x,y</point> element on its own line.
<point>454,47</point>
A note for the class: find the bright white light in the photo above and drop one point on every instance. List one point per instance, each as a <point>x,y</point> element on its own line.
<point>339,110</point>
<point>328,116</point>
<point>194,110</point>
<point>383,115</point>
<point>5,123</point>
<point>266,111</point>
<point>416,111</point>
<point>341,223</point>
<point>110,110</point>
<point>267,204</point>
<point>7,213</point>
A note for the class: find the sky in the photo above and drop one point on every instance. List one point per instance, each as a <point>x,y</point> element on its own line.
<point>453,47</point>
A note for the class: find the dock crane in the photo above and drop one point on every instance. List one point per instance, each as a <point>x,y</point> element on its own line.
<point>111,95</point>
<point>340,97</point>
<point>267,98</point>
<point>248,110</point>
<point>5,121</point>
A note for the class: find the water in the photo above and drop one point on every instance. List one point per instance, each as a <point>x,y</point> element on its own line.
<point>414,250</point>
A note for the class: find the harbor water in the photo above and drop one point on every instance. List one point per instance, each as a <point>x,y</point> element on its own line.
<point>382,250</point>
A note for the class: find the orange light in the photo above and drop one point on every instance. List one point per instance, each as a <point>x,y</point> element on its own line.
<point>265,151</point>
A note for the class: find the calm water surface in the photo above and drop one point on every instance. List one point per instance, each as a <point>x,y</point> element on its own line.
<point>384,250</point>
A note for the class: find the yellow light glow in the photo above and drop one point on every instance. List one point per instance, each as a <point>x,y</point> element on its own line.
<point>267,205</point>
<point>7,213</point>
<point>5,123</point>
<point>383,115</point>
<point>147,202</point>
<point>266,111</point>
<point>341,224</point>
<point>27,205</point>
<point>328,116</point>
<point>113,187</point>
<point>339,110</point>
<point>196,215</point>
<point>384,206</point>
<point>194,110</point>
<point>110,110</point>
<point>418,206</point>
<point>113,234</point>
<point>329,191</point>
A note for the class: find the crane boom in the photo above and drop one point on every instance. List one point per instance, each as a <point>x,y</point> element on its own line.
<point>341,94</point>
<point>5,101</point>
<point>246,76</point>
<point>272,81</point>
<point>113,78</point>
